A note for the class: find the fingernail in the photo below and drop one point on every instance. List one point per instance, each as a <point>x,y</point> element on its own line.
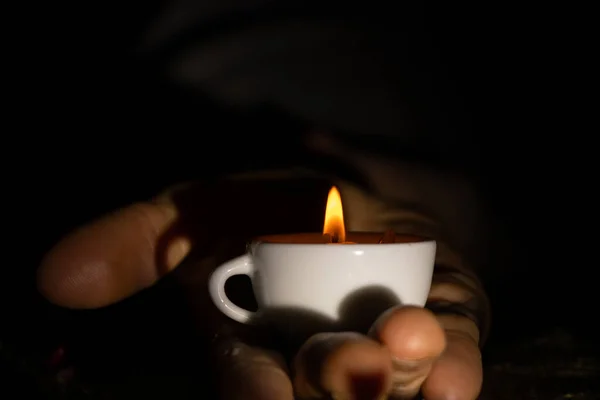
<point>178,249</point>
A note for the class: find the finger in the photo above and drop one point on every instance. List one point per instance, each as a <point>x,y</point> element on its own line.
<point>251,373</point>
<point>458,373</point>
<point>415,340</point>
<point>113,257</point>
<point>344,365</point>
<point>459,301</point>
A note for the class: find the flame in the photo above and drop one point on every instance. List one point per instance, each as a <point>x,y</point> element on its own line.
<point>334,216</point>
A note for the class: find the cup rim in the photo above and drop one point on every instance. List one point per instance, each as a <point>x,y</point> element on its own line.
<point>264,239</point>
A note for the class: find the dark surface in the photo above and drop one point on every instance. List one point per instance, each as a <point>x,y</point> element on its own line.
<point>554,364</point>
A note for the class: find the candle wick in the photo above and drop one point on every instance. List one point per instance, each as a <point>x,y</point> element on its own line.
<point>331,238</point>
<point>388,237</point>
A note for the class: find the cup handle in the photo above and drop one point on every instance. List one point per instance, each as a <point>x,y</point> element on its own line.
<point>242,265</point>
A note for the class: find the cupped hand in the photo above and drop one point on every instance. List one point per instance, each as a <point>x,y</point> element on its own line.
<point>408,350</point>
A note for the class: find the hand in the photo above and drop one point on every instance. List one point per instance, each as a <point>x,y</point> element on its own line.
<point>407,352</point>
<point>408,349</point>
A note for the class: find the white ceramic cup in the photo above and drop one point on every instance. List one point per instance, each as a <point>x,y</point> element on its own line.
<point>300,272</point>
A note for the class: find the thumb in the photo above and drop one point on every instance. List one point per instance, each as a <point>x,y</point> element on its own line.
<point>415,340</point>
<point>113,257</point>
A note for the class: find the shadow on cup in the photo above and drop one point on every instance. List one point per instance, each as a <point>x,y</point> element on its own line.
<point>357,312</point>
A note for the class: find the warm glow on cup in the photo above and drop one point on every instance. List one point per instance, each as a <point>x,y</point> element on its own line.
<point>329,280</point>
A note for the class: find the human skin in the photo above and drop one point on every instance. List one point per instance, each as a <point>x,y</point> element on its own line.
<point>411,349</point>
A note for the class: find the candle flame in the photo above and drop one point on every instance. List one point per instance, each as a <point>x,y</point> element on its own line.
<point>334,216</point>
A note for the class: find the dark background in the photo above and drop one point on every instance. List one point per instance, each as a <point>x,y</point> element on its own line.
<point>92,126</point>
